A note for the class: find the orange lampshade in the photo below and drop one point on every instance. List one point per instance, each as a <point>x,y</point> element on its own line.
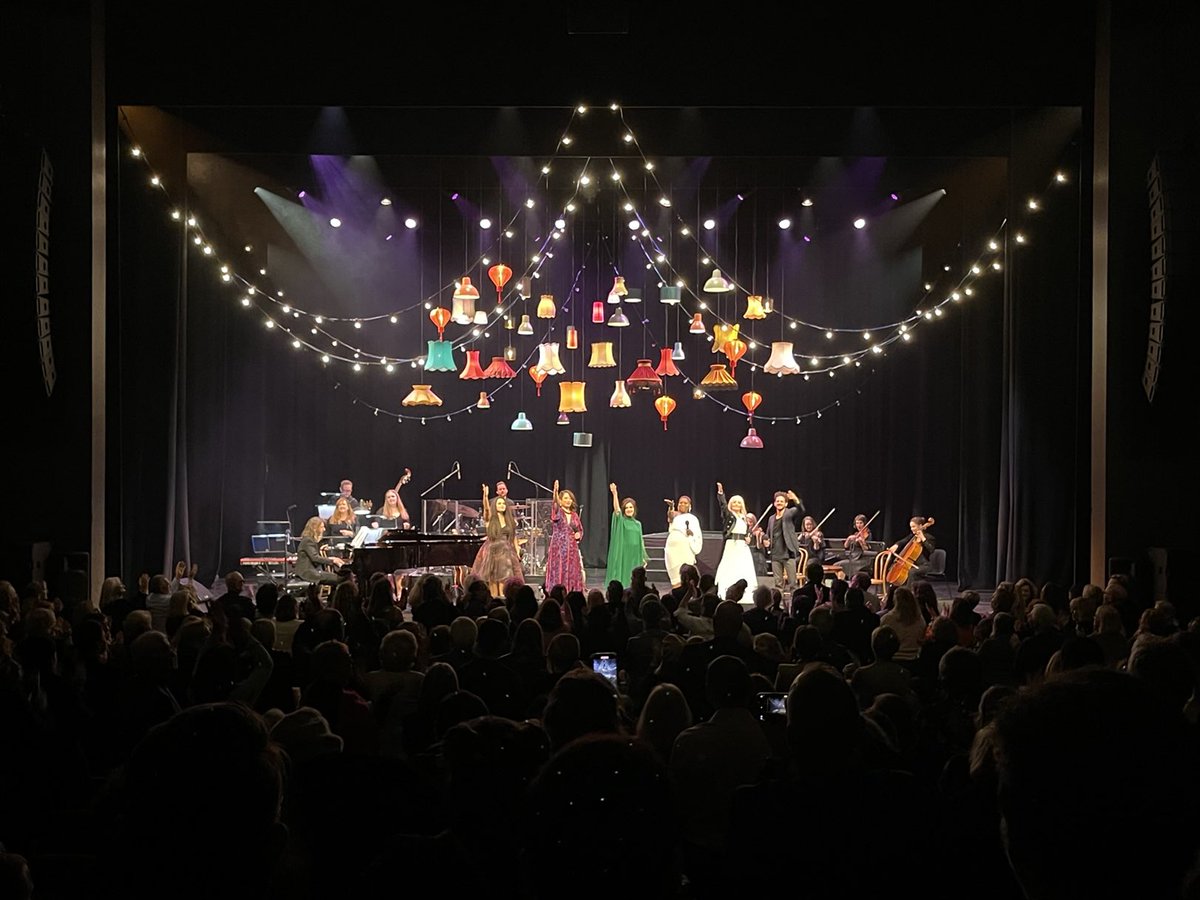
<point>644,378</point>
<point>735,350</point>
<point>484,401</point>
<point>666,365</point>
<point>665,406</point>
<point>499,369</point>
<point>602,357</point>
<point>718,379</point>
<point>751,400</point>
<point>545,307</point>
<point>697,326</point>
<point>466,290</point>
<point>472,369</point>
<point>440,316</point>
<point>538,377</point>
<point>722,335</point>
<point>421,395</point>
<point>570,397</point>
<point>620,396</point>
<point>754,308</point>
<point>572,337</point>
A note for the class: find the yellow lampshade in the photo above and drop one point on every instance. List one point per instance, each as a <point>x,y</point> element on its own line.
<point>572,337</point>
<point>754,308</point>
<point>545,307</point>
<point>421,395</point>
<point>602,357</point>
<point>722,335</point>
<point>718,379</point>
<point>570,397</point>
<point>618,289</point>
<point>620,396</point>
<point>526,327</point>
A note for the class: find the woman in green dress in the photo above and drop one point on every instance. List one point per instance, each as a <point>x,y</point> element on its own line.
<point>626,549</point>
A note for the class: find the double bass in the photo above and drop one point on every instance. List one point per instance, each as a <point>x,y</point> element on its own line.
<point>897,572</point>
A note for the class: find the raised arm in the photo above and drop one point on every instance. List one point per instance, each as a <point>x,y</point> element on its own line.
<point>612,489</point>
<point>487,507</point>
<point>557,502</point>
<point>404,479</point>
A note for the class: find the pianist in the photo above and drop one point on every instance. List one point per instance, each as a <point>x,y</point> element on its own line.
<point>311,564</point>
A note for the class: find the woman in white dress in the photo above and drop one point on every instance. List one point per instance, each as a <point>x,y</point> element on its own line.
<point>736,560</point>
<point>684,538</point>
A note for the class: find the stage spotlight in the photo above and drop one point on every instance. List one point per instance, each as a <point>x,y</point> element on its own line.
<point>485,223</point>
<point>633,224</point>
<point>807,201</point>
<point>741,197</point>
<point>1060,177</point>
<point>560,224</point>
<point>335,222</point>
<point>301,195</point>
<point>386,201</point>
<point>709,224</point>
<point>509,234</point>
<point>529,203</point>
<point>664,201</point>
<point>581,109</point>
<point>410,223</point>
<point>860,224</point>
<point>785,223</point>
<point>808,239</point>
<point>454,196</point>
<point>388,238</point>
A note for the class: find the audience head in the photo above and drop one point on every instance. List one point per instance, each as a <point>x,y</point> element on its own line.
<point>266,600</point>
<point>653,613</point>
<point>814,574</point>
<point>727,619</point>
<point>492,642</point>
<point>884,642</point>
<point>398,651</point>
<point>664,715</point>
<point>762,597</point>
<point>528,639</point>
<point>823,723</point>
<point>562,654</point>
<point>767,645</point>
<point>727,683</point>
<point>582,702</point>
<point>463,634</point>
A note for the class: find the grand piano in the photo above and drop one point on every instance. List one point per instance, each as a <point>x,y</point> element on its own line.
<point>406,550</point>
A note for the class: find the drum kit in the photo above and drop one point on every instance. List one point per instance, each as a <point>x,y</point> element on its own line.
<point>460,517</point>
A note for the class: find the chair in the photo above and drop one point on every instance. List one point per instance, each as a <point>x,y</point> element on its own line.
<point>878,576</point>
<point>801,565</point>
<point>937,567</point>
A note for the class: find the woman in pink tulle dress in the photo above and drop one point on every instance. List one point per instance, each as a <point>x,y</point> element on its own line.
<point>564,565</point>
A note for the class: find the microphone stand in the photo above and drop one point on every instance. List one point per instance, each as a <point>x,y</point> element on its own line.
<point>515,471</point>
<point>456,470</point>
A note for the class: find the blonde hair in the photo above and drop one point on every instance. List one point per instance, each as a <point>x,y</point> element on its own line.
<point>739,499</point>
<point>393,511</point>
<point>313,528</point>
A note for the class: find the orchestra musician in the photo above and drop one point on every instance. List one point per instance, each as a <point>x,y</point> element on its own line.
<point>855,546</point>
<point>342,524</point>
<point>391,513</point>
<point>311,564</point>
<point>347,493</point>
<point>922,555</point>
<point>780,538</point>
<point>812,540</point>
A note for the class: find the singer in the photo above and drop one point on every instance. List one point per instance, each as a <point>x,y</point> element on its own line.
<point>684,538</point>
<point>564,565</point>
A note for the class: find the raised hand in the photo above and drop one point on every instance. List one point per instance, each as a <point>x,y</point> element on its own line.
<point>720,488</point>
<point>555,487</point>
<point>485,490</point>
<point>612,486</point>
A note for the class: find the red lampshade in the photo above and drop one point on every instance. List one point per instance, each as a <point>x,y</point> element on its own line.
<point>472,368</point>
<point>666,365</point>
<point>598,312</point>
<point>644,378</point>
<point>499,369</point>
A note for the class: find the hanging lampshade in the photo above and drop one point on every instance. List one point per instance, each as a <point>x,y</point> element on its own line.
<point>526,327</point>
<point>563,419</point>
<point>633,295</point>
<point>751,441</point>
<point>538,377</point>
<point>499,273</point>
<point>466,290</point>
<point>620,396</point>
<point>734,351</point>
<point>421,395</point>
<point>548,360</point>
<point>751,400</point>
<point>717,284</point>
<point>670,293</point>
<point>782,362</point>
<point>677,354</point>
<point>754,308</point>
<point>485,402</point>
<point>722,335</point>
<point>499,369</point>
<point>665,406</point>
<point>598,312</point>
<point>572,337</point>
<point>510,353</point>
<point>472,368</point>
<point>697,326</point>
<point>644,378</point>
<point>582,439</point>
<point>602,357</point>
<point>524,291</point>
<point>509,325</point>
<point>440,316</point>
<point>718,379</point>
<point>570,397</point>
<point>481,317</point>
<point>440,357</point>
<point>618,289</point>
<point>545,307</point>
<point>459,313</point>
<point>520,423</point>
<point>768,306</point>
<point>666,365</point>
<point>618,319</point>
<point>465,296</point>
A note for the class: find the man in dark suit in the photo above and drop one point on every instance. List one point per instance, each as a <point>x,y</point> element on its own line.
<point>779,532</point>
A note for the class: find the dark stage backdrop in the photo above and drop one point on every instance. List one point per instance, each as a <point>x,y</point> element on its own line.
<point>222,424</point>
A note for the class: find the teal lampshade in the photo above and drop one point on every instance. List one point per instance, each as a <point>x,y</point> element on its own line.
<point>670,293</point>
<point>520,423</point>
<point>440,357</point>
<point>633,295</point>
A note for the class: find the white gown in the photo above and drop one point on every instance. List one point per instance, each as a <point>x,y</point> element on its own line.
<point>680,549</point>
<point>737,563</point>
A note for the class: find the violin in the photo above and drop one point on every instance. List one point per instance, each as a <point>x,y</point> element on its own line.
<point>897,572</point>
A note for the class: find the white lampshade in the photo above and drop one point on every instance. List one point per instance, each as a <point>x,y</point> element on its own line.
<point>782,362</point>
<point>548,360</point>
<point>717,284</point>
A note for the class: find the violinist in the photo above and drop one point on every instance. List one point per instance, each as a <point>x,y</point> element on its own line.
<point>918,549</point>
<point>855,544</point>
<point>812,539</point>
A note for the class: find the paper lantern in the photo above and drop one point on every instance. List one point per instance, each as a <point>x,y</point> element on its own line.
<point>670,293</point>
<point>602,357</point>
<point>751,400</point>
<point>545,307</point>
<point>633,295</point>
<point>677,354</point>
<point>618,289</point>
<point>697,326</point>
<point>572,337</point>
<point>570,397</point>
<point>618,319</point>
<point>598,312</point>
<point>526,327</point>
<point>520,423</point>
<point>499,369</point>
<point>666,365</point>
<point>472,369</point>
<point>751,441</point>
<point>440,316</point>
<point>644,378</point>
<point>620,396</point>
<point>485,402</point>
<point>734,351</point>
<point>665,406</point>
<point>440,357</point>
<point>722,335</point>
<point>754,308</point>
<point>782,362</point>
<point>421,395</point>
<point>538,377</point>
<point>548,360</point>
<point>717,284</point>
<point>718,379</point>
<point>499,273</point>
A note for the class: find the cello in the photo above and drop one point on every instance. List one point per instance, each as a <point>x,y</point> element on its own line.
<point>897,572</point>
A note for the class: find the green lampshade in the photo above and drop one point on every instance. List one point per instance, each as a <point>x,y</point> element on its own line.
<point>440,357</point>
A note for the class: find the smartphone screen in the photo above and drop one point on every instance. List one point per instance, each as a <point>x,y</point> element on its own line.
<point>606,665</point>
<point>772,704</point>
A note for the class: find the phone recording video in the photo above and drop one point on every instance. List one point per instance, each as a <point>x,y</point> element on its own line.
<point>606,665</point>
<point>771,704</point>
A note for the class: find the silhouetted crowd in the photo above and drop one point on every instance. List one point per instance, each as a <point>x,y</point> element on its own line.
<point>408,735</point>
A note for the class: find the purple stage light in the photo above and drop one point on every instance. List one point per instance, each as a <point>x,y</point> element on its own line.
<point>895,196</point>
<point>454,196</point>
<point>300,196</point>
<point>388,238</point>
<point>807,239</point>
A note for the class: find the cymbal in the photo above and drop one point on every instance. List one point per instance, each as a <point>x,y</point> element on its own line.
<point>448,505</point>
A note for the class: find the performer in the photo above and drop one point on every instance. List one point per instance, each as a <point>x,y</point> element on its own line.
<point>564,565</point>
<point>758,545</point>
<point>779,535</point>
<point>311,563</point>
<point>736,562</point>
<point>684,538</point>
<point>626,548</point>
<point>498,558</point>
<point>922,554</point>
<point>391,513</point>
<point>342,524</point>
<point>347,493</point>
<point>854,547</point>
<point>812,540</point>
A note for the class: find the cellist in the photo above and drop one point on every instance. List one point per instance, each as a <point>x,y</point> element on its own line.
<point>925,546</point>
